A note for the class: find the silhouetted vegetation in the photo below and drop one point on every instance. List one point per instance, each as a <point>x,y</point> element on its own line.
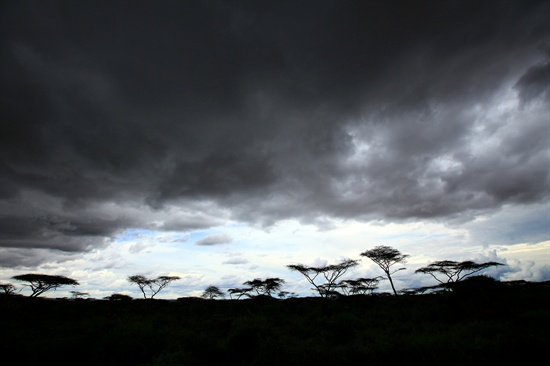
<point>385,257</point>
<point>155,285</point>
<point>211,292</point>
<point>79,295</point>
<point>483,322</point>
<point>239,292</point>
<point>360,286</point>
<point>40,283</point>
<point>452,271</point>
<point>118,297</point>
<point>7,289</point>
<point>265,287</point>
<point>331,273</point>
<point>488,322</point>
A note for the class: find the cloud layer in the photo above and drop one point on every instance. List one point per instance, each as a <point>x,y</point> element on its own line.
<point>178,116</point>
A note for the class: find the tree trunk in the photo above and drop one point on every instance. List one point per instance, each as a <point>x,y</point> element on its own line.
<point>391,283</point>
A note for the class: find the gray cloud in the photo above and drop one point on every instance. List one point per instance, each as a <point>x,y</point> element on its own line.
<point>215,240</point>
<point>188,114</point>
<point>534,83</point>
<point>30,257</point>
<point>235,261</point>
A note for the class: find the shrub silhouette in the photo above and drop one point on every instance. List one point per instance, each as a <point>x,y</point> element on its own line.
<point>118,297</point>
<point>476,285</point>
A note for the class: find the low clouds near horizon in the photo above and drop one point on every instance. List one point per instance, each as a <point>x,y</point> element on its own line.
<point>177,116</point>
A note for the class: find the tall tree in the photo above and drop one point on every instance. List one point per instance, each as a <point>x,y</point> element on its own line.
<point>160,283</point>
<point>385,257</point>
<point>40,283</point>
<point>452,271</point>
<point>155,285</point>
<point>331,273</point>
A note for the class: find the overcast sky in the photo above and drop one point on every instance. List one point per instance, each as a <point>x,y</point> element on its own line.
<point>221,140</point>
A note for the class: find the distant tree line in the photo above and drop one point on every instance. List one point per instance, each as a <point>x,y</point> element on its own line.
<point>326,280</point>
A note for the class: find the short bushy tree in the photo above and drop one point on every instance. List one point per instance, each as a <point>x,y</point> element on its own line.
<point>118,297</point>
<point>7,289</point>
<point>360,286</point>
<point>265,287</point>
<point>211,292</point>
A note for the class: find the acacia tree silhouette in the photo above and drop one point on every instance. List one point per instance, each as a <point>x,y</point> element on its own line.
<point>239,292</point>
<point>141,281</point>
<point>79,295</point>
<point>40,283</point>
<point>265,287</point>
<point>454,271</point>
<point>7,288</point>
<point>331,273</point>
<point>385,257</point>
<point>211,292</point>
<point>360,286</point>
<point>155,285</point>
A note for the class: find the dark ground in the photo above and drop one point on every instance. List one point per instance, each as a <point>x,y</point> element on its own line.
<point>501,325</point>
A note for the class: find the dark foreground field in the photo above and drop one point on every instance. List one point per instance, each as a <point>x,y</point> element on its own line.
<point>504,326</point>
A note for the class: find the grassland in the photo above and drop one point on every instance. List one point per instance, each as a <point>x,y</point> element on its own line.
<point>507,325</point>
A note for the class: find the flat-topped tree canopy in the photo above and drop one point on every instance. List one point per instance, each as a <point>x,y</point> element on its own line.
<point>330,272</point>
<point>454,271</point>
<point>385,257</point>
<point>265,287</point>
<point>155,285</point>
<point>40,283</point>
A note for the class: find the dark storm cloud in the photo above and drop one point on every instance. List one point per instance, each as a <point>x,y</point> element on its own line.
<point>535,83</point>
<point>265,110</point>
